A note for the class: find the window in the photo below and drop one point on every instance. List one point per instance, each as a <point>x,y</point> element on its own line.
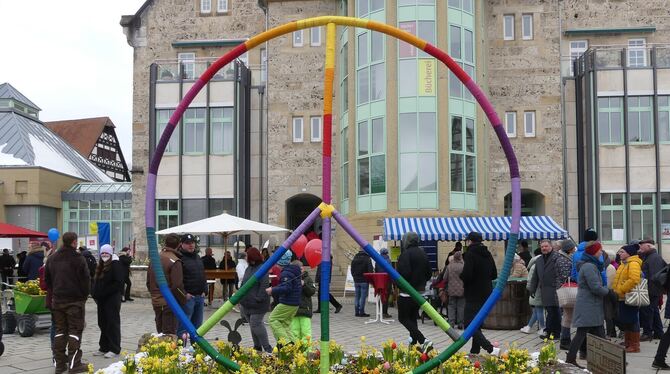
<point>345,163</point>
<point>508,27</point>
<point>612,217</point>
<point>205,6</point>
<point>510,124</point>
<point>463,157</point>
<point>468,46</point>
<point>371,73</point>
<point>297,130</point>
<point>577,48</point>
<point>315,127</point>
<point>315,36</point>
<point>640,121</point>
<point>221,127</point>
<point>455,41</point>
<point>344,72</point>
<point>610,122</point>
<point>527,26</point>
<point>297,38</point>
<point>187,65</point>
<point>665,216</point>
<point>222,6</point>
<point>167,214</point>
<point>529,124</point>
<point>417,146</point>
<point>664,119</point>
<point>642,217</point>
<point>371,157</point>
<point>361,7</point>
<point>195,124</point>
<point>637,53</point>
<point>162,117</point>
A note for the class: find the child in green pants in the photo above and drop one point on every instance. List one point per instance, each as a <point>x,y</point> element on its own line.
<point>301,325</point>
<point>288,291</point>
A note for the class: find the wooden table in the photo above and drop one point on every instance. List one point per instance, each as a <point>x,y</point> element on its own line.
<point>217,274</point>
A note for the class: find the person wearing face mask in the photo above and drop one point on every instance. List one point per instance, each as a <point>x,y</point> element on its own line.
<point>107,289</point>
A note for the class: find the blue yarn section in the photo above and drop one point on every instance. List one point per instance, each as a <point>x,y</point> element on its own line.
<point>324,282</point>
<point>393,273</point>
<point>267,265</point>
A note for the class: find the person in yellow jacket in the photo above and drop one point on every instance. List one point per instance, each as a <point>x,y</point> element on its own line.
<point>627,276</point>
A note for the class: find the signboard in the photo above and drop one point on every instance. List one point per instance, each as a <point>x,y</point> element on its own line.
<point>92,243</point>
<point>426,77</point>
<point>349,282</point>
<point>394,253</point>
<point>604,357</point>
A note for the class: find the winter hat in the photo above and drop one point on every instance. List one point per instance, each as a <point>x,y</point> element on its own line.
<point>106,249</point>
<point>590,235</point>
<point>593,247</point>
<point>474,237</point>
<point>567,245</point>
<point>286,258</point>
<point>631,249</point>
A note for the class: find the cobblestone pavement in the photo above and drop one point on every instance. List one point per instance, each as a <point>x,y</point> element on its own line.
<point>33,354</point>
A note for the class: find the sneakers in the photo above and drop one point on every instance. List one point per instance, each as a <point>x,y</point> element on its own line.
<point>660,365</point>
<point>111,354</point>
<point>540,332</point>
<point>426,346</point>
<point>99,353</point>
<point>495,351</point>
<point>525,330</point>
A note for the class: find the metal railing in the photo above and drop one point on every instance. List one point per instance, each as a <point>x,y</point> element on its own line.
<point>618,57</point>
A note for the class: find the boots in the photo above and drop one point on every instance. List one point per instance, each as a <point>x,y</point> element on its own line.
<point>633,342</point>
<point>74,356</point>
<point>60,345</point>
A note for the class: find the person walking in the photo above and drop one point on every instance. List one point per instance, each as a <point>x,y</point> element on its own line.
<point>378,269</point>
<point>479,271</point>
<point>126,259</point>
<point>360,265</point>
<point>628,275</point>
<point>34,261</point>
<point>227,263</point>
<point>544,278</point>
<point>66,274</point>
<point>564,268</point>
<point>535,302</point>
<point>301,324</point>
<point>7,264</point>
<point>256,302</point>
<point>650,315</point>
<point>414,267</point>
<point>241,267</point>
<point>455,290</point>
<point>589,309</point>
<point>195,283</point>
<point>331,298</point>
<point>21,259</point>
<point>166,323</point>
<point>288,296</point>
<point>107,291</point>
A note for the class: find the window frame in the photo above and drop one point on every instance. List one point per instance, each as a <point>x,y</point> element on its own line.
<point>297,122</point>
<point>638,110</point>
<point>507,114</point>
<point>227,145</point>
<point>663,108</point>
<point>187,63</point>
<point>609,110</point>
<point>613,208</point>
<point>203,9</point>
<point>576,52</point>
<point>194,127</point>
<point>222,9</point>
<point>637,48</point>
<point>526,133</point>
<point>301,34</point>
<point>641,208</point>
<point>175,139</point>
<point>166,213</point>
<point>523,27</point>
<point>507,17</point>
<point>464,153</point>
<point>370,154</point>
<point>319,119</point>
<point>312,31</point>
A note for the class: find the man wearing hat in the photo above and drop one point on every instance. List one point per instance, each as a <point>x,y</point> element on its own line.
<point>195,283</point>
<point>166,323</point>
<point>650,316</point>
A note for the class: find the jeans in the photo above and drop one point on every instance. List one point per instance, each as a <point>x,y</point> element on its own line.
<point>259,334</point>
<point>478,339</point>
<point>455,309</point>
<point>553,321</point>
<point>580,338</point>
<point>194,309</point>
<point>650,318</point>
<point>407,312</point>
<point>537,316</point>
<point>360,297</point>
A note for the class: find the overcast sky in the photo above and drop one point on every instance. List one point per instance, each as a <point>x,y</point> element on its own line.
<point>71,58</point>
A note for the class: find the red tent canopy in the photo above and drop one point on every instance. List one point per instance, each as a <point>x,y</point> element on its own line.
<point>11,231</point>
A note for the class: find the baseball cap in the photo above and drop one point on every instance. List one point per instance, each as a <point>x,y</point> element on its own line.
<point>187,238</point>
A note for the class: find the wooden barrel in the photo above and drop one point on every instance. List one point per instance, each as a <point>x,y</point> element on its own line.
<point>512,311</point>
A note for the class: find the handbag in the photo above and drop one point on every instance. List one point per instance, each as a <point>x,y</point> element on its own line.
<point>639,295</point>
<point>567,294</point>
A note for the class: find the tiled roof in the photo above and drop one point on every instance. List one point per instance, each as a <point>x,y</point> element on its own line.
<point>7,91</point>
<point>82,134</point>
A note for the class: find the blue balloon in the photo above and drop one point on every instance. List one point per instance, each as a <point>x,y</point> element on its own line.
<point>53,234</point>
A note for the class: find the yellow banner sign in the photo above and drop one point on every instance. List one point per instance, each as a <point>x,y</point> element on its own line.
<point>427,77</point>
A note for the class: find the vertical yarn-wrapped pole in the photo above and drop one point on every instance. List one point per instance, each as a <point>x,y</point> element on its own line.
<point>324,282</point>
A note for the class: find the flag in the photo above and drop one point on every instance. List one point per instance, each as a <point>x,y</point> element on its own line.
<point>93,228</point>
<point>103,233</point>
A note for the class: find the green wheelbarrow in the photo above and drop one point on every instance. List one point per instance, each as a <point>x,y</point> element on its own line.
<point>30,313</point>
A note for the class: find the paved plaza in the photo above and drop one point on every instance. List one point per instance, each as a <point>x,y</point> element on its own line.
<point>32,355</point>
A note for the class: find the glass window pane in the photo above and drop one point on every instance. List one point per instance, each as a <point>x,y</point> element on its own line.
<point>361,7</point>
<point>636,222</point>
<point>633,127</point>
<point>527,26</point>
<point>604,128</point>
<point>404,49</point>
<point>364,176</point>
<point>457,172</point>
<point>345,145</point>
<point>665,198</point>
<point>455,86</point>
<point>647,223</point>
<point>635,199</point>
<point>647,199</point>
<point>378,135</point>
<point>645,101</point>
<point>363,86</point>
<point>105,215</point>
<point>407,129</point>
<point>362,49</point>
<point>605,199</point>
<point>606,221</point>
<point>362,138</point>
<point>455,41</point>
<point>377,82</point>
<point>468,47</point>
<point>456,133</point>
<point>470,174</point>
<point>95,215</point>
<point>617,219</point>
<point>616,128</point>
<point>409,175</point>
<point>603,102</point>
<point>377,47</point>
<point>426,31</point>
<point>376,5</point>
<point>455,3</point>
<point>83,215</point>
<point>664,126</point>
<point>645,126</point>
<point>467,6</point>
<point>427,135</point>
<point>469,135</point>
<point>470,70</point>
<point>407,78</point>
<point>427,172</point>
<point>508,27</point>
<point>378,174</point>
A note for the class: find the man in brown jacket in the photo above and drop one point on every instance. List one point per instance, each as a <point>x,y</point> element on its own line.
<point>66,274</point>
<point>166,322</point>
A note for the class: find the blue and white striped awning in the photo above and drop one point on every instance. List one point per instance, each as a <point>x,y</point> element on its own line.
<point>457,228</point>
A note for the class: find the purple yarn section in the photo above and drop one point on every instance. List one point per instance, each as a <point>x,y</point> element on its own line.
<point>509,152</point>
<point>484,102</point>
<point>516,205</point>
<point>150,203</point>
<point>302,228</point>
<point>349,229</point>
<point>186,101</point>
<point>160,148</point>
<point>325,237</point>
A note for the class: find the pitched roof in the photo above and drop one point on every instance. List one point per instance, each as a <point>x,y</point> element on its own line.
<point>82,134</point>
<point>7,91</point>
<point>25,141</point>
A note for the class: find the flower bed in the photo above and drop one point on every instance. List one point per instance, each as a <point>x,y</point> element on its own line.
<point>165,355</point>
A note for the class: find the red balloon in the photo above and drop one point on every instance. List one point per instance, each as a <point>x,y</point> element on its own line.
<point>313,252</point>
<point>298,246</point>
